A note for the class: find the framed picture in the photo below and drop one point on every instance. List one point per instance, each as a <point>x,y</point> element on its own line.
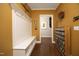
<point>43,25</point>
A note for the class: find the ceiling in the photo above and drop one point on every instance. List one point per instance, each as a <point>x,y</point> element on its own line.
<point>43,6</point>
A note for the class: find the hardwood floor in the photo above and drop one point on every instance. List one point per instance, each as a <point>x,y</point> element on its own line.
<point>46,48</point>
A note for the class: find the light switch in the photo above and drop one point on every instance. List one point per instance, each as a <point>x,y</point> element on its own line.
<point>76,27</point>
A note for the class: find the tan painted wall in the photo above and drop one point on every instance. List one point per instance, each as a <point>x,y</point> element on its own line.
<point>35,18</point>
<point>70,10</point>
<point>6,29</point>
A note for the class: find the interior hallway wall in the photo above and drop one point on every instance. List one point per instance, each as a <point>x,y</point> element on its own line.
<point>6,29</point>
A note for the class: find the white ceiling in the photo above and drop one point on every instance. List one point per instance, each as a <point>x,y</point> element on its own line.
<point>43,6</point>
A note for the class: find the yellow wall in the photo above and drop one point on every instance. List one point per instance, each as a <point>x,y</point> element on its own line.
<point>70,10</point>
<point>6,29</point>
<point>35,18</point>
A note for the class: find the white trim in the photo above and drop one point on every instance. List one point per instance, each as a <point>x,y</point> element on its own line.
<point>52,30</point>
<point>39,29</point>
<point>19,10</point>
<point>44,9</point>
<point>57,6</point>
<point>52,27</point>
<point>53,42</point>
<point>47,36</point>
<point>38,41</point>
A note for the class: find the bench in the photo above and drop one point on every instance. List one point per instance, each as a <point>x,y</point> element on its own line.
<point>25,48</point>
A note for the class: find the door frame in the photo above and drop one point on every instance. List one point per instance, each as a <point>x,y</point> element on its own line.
<point>40,28</point>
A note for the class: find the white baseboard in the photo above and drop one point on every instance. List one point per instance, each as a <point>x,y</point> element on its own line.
<point>47,37</point>
<point>53,42</point>
<point>38,41</point>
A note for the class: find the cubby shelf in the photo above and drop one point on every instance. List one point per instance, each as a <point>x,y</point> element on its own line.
<point>59,39</point>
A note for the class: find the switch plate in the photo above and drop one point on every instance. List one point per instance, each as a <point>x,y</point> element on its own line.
<point>76,27</point>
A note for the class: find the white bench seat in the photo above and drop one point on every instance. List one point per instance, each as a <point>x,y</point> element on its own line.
<point>24,48</point>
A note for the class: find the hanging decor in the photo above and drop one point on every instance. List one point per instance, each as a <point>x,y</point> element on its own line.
<point>75,18</point>
<point>43,25</point>
<point>61,15</point>
<point>35,24</point>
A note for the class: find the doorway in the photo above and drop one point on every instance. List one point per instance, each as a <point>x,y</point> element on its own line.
<point>46,48</point>
<point>46,27</point>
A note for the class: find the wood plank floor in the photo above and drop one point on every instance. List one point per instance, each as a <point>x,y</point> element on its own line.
<point>46,48</point>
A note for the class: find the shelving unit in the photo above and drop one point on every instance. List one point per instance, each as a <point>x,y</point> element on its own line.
<point>59,39</point>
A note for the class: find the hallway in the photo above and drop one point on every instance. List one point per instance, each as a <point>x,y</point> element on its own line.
<point>46,48</point>
<point>22,25</point>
